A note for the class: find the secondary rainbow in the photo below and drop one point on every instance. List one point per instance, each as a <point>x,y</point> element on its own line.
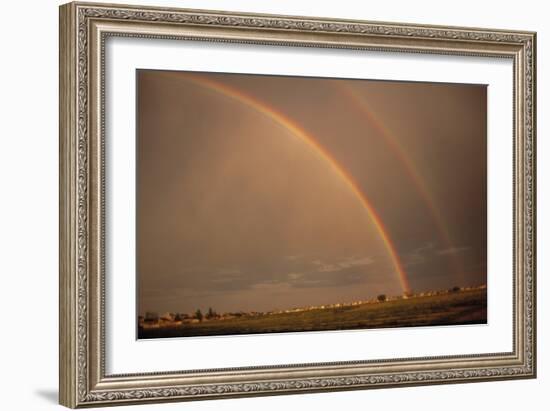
<point>408,164</point>
<point>304,136</point>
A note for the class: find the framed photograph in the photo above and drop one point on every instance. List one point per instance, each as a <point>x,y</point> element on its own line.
<point>260,204</point>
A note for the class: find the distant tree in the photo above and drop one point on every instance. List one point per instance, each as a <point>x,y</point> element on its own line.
<point>151,316</point>
<point>381,297</point>
<point>211,313</point>
<point>455,289</point>
<point>177,317</point>
<point>198,315</point>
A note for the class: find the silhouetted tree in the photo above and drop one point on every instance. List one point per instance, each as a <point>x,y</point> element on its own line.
<point>381,297</point>
<point>211,313</point>
<point>198,315</point>
<point>151,316</point>
<point>455,289</point>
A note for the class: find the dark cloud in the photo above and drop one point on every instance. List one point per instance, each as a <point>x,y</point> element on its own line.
<point>335,278</point>
<point>453,250</point>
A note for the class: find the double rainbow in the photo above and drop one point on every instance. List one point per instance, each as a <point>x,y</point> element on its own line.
<point>296,130</point>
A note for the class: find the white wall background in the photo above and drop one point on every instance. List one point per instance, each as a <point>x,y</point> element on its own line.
<point>29,193</point>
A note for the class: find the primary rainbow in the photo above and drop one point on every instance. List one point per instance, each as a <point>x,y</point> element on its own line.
<point>304,136</point>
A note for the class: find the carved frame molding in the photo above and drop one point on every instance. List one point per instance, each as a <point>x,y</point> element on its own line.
<point>84,27</point>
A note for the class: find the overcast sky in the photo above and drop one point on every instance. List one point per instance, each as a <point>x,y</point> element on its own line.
<point>237,212</point>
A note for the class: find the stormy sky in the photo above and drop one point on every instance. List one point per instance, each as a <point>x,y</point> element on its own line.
<point>236,210</point>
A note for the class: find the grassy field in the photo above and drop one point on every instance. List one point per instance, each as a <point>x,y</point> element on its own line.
<point>463,307</point>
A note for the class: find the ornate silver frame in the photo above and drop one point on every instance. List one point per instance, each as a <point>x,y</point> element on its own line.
<point>83,30</point>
